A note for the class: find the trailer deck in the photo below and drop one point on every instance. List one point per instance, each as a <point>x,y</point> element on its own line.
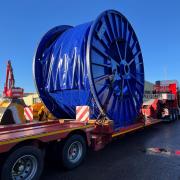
<point>44,131</point>
<point>56,130</point>
<point>135,127</point>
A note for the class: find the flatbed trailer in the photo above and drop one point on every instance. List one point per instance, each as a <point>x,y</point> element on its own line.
<point>21,144</point>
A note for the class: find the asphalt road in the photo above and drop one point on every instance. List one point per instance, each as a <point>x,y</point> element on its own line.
<point>126,159</point>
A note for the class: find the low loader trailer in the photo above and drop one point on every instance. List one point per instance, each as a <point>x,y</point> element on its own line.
<point>23,146</point>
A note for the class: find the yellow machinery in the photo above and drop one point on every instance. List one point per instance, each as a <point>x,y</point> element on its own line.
<point>12,104</point>
<point>41,113</point>
<point>12,111</point>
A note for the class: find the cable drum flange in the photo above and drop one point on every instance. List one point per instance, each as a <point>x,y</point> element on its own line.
<point>98,64</point>
<point>44,43</point>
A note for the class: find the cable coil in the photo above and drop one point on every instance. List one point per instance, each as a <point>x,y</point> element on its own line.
<point>98,64</point>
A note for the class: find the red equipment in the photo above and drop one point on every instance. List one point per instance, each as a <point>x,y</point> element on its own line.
<point>171,88</point>
<point>10,91</point>
<point>163,103</point>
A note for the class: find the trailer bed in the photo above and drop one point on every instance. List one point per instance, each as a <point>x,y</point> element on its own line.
<point>51,130</point>
<point>43,131</point>
<point>134,127</point>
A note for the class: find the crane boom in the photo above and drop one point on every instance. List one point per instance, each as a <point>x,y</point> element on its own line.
<point>10,91</point>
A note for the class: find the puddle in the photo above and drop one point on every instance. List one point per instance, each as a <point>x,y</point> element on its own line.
<point>161,151</point>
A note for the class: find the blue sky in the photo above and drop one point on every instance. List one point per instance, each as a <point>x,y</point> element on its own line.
<point>23,23</point>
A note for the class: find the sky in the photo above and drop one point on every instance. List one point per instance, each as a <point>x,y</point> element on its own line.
<point>24,22</point>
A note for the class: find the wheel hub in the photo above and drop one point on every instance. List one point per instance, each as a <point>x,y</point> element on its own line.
<point>24,168</point>
<point>75,152</point>
<point>21,168</point>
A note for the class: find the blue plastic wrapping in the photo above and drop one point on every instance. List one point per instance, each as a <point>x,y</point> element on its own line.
<point>65,70</point>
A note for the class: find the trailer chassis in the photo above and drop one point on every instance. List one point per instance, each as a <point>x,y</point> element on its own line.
<point>22,147</point>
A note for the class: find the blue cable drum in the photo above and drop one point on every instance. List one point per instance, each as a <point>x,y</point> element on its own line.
<point>98,64</point>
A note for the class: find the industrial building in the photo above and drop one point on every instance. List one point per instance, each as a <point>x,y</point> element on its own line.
<point>31,98</point>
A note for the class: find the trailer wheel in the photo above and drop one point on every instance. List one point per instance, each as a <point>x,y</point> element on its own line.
<point>73,151</point>
<point>24,163</point>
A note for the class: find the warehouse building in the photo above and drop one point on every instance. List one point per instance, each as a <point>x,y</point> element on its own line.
<point>148,88</point>
<point>31,98</point>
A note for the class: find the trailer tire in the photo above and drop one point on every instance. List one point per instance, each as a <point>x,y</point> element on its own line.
<point>73,151</point>
<point>25,162</point>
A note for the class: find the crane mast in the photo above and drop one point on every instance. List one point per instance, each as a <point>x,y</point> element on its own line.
<point>10,91</point>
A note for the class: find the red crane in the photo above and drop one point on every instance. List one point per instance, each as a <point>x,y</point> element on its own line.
<point>10,91</point>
